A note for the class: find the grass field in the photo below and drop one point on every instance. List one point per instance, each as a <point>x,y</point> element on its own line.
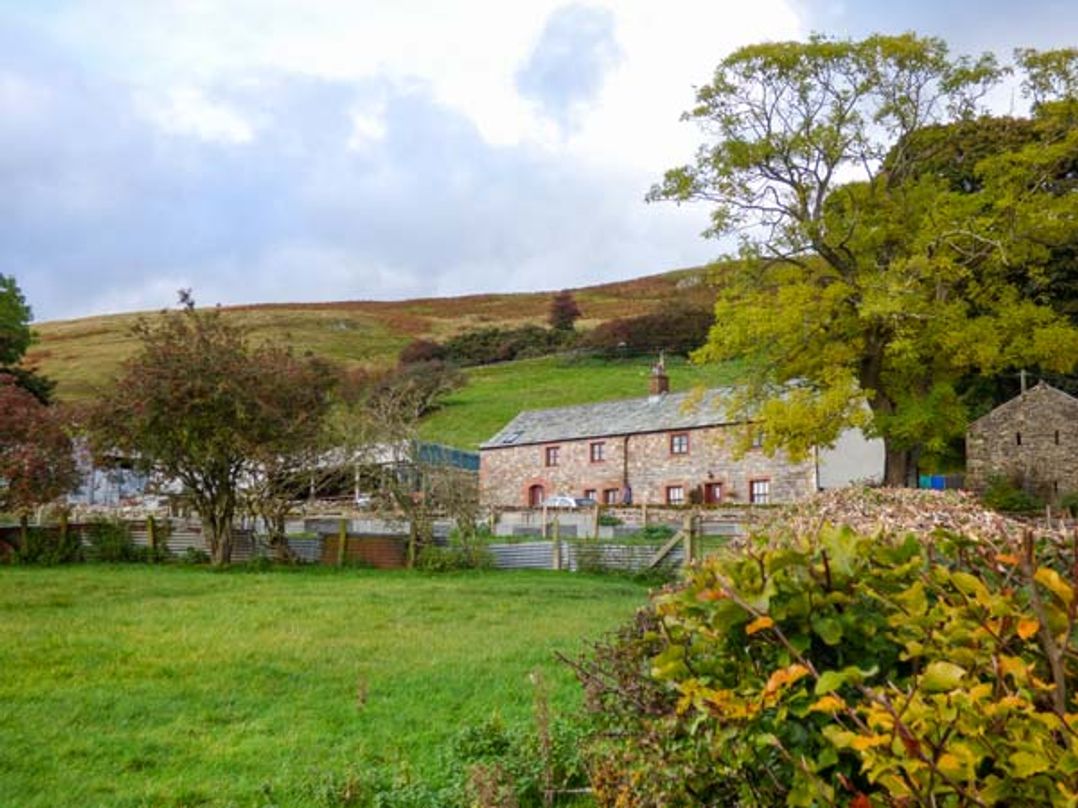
<point>141,686</point>
<point>496,393</point>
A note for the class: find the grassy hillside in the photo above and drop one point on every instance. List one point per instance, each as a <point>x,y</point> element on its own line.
<point>83,354</point>
<point>496,393</point>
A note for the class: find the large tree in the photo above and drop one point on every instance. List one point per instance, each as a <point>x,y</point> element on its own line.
<point>200,404</point>
<point>36,459</point>
<point>16,337</point>
<point>864,278</point>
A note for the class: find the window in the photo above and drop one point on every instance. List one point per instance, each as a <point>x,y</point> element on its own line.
<point>1017,438</point>
<point>610,496</point>
<point>597,450</point>
<point>1057,437</point>
<point>591,493</point>
<point>679,443</point>
<point>759,492</point>
<point>552,455</point>
<point>675,495</point>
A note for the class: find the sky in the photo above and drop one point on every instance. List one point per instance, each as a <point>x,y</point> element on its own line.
<point>272,151</point>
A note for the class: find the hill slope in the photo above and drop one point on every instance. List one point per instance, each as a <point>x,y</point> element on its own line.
<point>81,355</point>
<point>496,393</point>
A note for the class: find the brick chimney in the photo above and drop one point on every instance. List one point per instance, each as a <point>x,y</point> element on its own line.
<point>659,383</point>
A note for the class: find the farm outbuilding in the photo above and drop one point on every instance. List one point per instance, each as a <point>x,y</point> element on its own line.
<point>1031,441</point>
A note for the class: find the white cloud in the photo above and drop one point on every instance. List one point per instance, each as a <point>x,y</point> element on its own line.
<point>188,111</point>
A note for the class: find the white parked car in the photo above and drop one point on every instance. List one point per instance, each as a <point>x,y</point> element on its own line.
<point>566,501</point>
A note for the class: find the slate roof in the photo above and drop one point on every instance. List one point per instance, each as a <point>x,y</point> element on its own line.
<point>626,417</point>
<point>1042,388</point>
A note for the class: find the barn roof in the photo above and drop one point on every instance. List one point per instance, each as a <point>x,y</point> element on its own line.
<point>1041,389</point>
<point>609,418</point>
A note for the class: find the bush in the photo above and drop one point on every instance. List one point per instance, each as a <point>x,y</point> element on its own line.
<point>193,555</point>
<point>488,345</point>
<point>840,669</point>
<point>110,541</point>
<point>1070,502</point>
<point>49,546</point>
<point>433,558</point>
<point>1003,494</point>
<point>421,350</point>
<point>677,328</point>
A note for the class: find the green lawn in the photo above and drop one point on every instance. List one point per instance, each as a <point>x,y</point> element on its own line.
<point>144,686</point>
<point>496,393</point>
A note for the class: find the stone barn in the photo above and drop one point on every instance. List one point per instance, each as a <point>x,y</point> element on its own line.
<point>1031,440</point>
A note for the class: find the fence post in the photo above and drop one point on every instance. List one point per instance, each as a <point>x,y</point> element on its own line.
<point>544,522</point>
<point>644,511</point>
<point>63,527</point>
<point>342,542</point>
<point>688,525</point>
<point>557,545</point>
<point>151,533</point>
<point>595,523</point>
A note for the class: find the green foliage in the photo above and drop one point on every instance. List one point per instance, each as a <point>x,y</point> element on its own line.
<point>1070,502</point>
<point>49,546</point>
<point>486,346</point>
<point>844,669</point>
<point>15,316</point>
<point>111,541</point>
<point>876,284</point>
<point>677,328</point>
<point>202,405</point>
<point>1004,494</point>
<point>609,520</point>
<point>433,558</point>
<point>194,556</point>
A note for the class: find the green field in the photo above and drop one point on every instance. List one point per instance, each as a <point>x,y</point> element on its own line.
<point>496,393</point>
<point>142,686</point>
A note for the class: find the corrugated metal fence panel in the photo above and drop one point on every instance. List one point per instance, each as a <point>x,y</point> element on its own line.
<point>532,555</point>
<point>380,552</point>
<point>624,557</point>
<point>307,550</point>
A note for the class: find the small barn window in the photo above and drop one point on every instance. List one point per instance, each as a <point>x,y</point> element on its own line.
<point>1057,437</point>
<point>1017,438</point>
<point>675,495</point>
<point>552,455</point>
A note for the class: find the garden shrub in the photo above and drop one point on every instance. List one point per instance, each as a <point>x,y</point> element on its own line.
<point>1004,494</point>
<point>433,558</point>
<point>49,546</point>
<point>1069,502</point>
<point>110,541</point>
<point>843,669</point>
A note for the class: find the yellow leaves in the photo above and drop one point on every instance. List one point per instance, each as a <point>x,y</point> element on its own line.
<point>863,742</point>
<point>828,704</point>
<point>1051,580</point>
<point>1009,559</point>
<point>784,677</point>
<point>1028,627</point>
<point>759,624</point>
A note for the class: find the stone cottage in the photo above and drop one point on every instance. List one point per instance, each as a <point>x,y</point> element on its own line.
<point>1031,440</point>
<point>656,449</point>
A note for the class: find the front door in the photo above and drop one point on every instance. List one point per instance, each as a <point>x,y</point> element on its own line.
<point>535,496</point>
<point>712,493</point>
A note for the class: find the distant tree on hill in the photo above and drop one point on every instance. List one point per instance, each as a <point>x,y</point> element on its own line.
<point>421,350</point>
<point>37,463</point>
<point>563,312</point>
<point>676,328</point>
<point>198,403</point>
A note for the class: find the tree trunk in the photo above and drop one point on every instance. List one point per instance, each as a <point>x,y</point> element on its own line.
<point>897,466</point>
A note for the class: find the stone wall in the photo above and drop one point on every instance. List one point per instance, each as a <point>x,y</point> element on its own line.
<point>1031,439</point>
<point>507,473</point>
